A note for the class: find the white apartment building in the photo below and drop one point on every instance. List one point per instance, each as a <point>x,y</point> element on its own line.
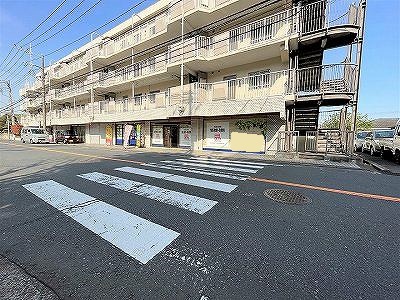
<point>190,85</point>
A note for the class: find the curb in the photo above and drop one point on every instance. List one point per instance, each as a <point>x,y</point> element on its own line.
<point>379,167</point>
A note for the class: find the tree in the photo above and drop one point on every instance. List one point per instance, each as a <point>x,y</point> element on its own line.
<point>333,122</point>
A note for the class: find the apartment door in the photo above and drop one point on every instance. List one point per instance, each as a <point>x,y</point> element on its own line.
<point>231,86</point>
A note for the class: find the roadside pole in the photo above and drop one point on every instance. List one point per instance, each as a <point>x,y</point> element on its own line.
<point>44,95</point>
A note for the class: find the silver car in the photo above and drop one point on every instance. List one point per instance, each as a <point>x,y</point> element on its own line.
<point>34,135</point>
<point>359,139</point>
<point>372,142</point>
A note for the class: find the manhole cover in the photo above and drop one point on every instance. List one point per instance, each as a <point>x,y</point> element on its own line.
<point>285,196</point>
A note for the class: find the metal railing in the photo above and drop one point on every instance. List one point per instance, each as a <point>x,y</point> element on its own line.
<point>328,141</point>
<point>287,142</point>
<point>324,14</point>
<point>70,91</point>
<point>333,78</point>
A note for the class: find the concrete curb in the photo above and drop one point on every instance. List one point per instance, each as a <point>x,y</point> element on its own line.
<point>379,167</point>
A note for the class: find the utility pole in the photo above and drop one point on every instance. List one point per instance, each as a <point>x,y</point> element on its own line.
<point>91,79</point>
<point>182,52</point>
<point>44,94</point>
<point>8,84</point>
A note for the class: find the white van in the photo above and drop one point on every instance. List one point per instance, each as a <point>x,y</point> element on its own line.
<point>34,135</point>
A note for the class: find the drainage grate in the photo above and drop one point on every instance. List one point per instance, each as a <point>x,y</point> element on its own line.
<point>287,197</point>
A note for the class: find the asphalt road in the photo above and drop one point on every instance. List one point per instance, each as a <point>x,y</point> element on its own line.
<point>84,238</point>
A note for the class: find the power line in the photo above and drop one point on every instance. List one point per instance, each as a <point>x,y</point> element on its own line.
<point>37,27</point>
<point>55,24</point>
<point>69,24</point>
<point>100,27</point>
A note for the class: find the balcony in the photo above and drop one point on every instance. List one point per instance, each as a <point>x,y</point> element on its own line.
<point>116,47</point>
<point>334,84</point>
<point>140,107</point>
<point>258,40</point>
<point>337,21</point>
<point>75,66</point>
<point>71,91</point>
<point>264,93</point>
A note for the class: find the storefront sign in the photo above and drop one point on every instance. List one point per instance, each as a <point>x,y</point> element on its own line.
<point>185,135</point>
<point>127,133</point>
<point>157,136</point>
<point>109,132</point>
<point>217,135</point>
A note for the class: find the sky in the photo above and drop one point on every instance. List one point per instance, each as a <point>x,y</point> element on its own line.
<point>380,70</point>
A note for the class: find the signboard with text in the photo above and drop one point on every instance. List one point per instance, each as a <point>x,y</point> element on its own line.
<point>217,135</point>
<point>157,136</point>
<point>185,135</point>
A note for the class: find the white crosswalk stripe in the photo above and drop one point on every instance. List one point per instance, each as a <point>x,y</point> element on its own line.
<point>138,237</point>
<point>193,203</point>
<point>204,165</point>
<point>197,171</point>
<point>208,184</point>
<point>241,162</point>
<point>222,163</point>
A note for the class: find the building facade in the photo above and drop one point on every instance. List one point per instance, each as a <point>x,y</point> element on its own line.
<point>186,74</point>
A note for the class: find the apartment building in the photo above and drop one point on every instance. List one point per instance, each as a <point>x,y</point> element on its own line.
<point>185,74</point>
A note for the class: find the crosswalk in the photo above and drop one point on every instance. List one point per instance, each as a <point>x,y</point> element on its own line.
<point>140,238</point>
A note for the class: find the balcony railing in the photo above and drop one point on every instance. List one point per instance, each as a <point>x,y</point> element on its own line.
<point>323,14</point>
<point>71,91</point>
<point>246,88</point>
<point>326,79</point>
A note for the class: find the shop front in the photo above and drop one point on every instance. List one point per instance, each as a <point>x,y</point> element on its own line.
<point>171,135</point>
<point>132,132</point>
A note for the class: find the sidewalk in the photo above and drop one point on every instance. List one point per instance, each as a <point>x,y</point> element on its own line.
<point>385,166</point>
<point>16,284</point>
<point>306,160</point>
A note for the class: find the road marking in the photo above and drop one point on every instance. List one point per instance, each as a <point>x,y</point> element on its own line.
<point>137,237</point>
<point>325,189</point>
<point>210,166</point>
<point>193,203</point>
<point>197,171</point>
<point>236,161</point>
<point>208,184</point>
<point>222,163</point>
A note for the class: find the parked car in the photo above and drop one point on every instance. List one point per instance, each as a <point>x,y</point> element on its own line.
<point>392,145</point>
<point>373,140</point>
<point>66,137</point>
<point>359,139</point>
<point>34,135</point>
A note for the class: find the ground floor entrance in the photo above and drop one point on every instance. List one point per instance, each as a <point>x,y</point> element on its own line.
<point>170,133</point>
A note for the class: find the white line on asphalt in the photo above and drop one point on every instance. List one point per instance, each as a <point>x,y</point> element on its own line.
<point>247,163</point>
<point>193,203</point>
<point>197,171</point>
<point>242,165</point>
<point>208,184</point>
<point>136,236</point>
<point>194,164</point>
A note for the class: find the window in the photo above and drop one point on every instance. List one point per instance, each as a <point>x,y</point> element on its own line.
<point>259,79</point>
<point>384,134</point>
<point>152,96</point>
